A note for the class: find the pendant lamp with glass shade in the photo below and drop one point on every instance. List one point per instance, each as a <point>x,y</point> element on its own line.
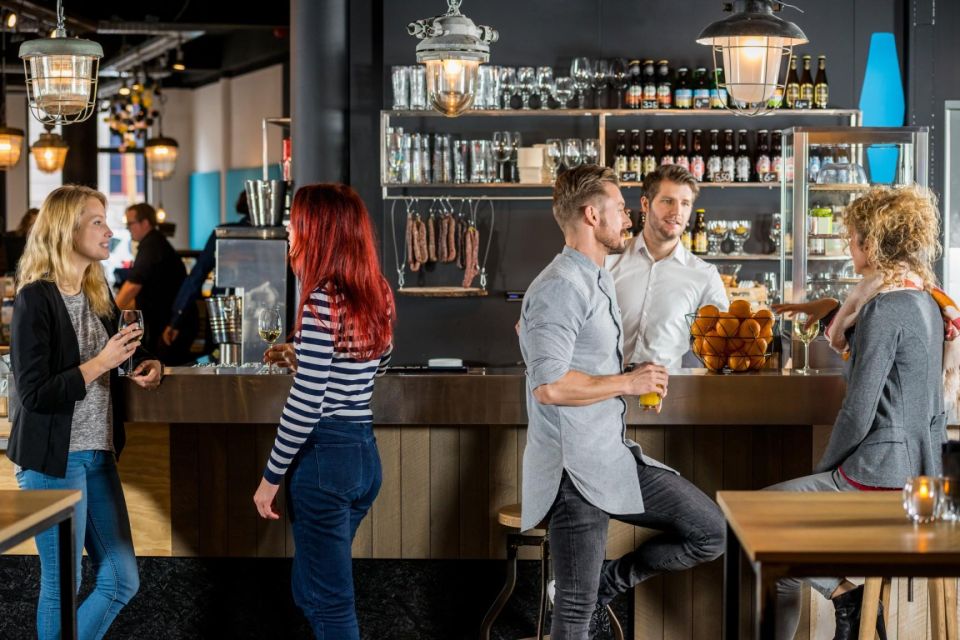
<point>750,48</point>
<point>50,151</point>
<point>452,47</point>
<point>161,153</point>
<point>11,139</point>
<point>61,75</point>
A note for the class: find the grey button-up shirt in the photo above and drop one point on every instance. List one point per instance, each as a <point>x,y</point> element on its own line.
<point>571,321</point>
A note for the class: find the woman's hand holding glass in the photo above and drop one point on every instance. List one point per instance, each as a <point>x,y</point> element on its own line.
<point>815,310</point>
<point>282,355</point>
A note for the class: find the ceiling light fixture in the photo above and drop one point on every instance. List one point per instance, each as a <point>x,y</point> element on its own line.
<point>50,151</point>
<point>452,47</point>
<point>178,64</point>
<point>61,75</point>
<point>11,20</point>
<point>752,44</point>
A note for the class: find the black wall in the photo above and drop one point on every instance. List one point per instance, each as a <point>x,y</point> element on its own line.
<point>537,32</point>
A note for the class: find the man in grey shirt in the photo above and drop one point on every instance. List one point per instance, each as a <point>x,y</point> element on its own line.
<point>578,466</point>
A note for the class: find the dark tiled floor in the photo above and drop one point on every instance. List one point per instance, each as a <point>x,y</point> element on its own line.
<point>184,598</point>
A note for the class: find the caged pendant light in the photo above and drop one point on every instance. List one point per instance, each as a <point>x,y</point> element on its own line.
<point>61,75</point>
<point>50,151</point>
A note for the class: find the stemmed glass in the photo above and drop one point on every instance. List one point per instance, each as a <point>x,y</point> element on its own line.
<point>591,151</point>
<point>620,72</point>
<point>716,233</point>
<point>572,153</point>
<point>563,90</point>
<point>502,149</point>
<point>508,81</point>
<point>554,156</point>
<point>527,79</point>
<point>127,318</point>
<point>806,336</point>
<point>602,77</point>
<point>545,85</point>
<point>741,231</point>
<point>582,74</point>
<point>515,142</point>
<point>269,326</point>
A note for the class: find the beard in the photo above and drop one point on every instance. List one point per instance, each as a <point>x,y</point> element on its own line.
<point>612,241</point>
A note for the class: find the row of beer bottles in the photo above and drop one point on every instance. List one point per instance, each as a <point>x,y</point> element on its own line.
<point>803,91</point>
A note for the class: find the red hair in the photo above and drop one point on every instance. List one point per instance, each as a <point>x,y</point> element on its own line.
<point>333,248</point>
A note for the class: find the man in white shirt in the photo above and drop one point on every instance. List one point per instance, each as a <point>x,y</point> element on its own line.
<point>658,281</point>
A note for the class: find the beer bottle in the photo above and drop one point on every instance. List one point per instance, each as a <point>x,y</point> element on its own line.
<point>636,160</point>
<point>649,85</point>
<point>664,85</point>
<point>728,162</point>
<point>687,238</point>
<point>683,93</point>
<point>700,233</point>
<point>714,160</point>
<point>821,88</point>
<point>806,84</point>
<point>701,90</point>
<point>793,85</point>
<point>763,156</point>
<point>776,100</point>
<point>697,166</point>
<point>635,89</point>
<point>776,155</point>
<point>743,158</point>
<point>667,157</point>
<point>620,161</point>
<point>683,157</point>
<point>649,154</point>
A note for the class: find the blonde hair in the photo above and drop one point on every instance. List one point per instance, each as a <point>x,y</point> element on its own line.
<point>577,188</point>
<point>50,247</point>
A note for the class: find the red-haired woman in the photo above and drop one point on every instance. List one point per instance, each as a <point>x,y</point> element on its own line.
<point>325,444</point>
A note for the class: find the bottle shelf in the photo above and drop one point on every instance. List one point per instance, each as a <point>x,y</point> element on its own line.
<point>545,185</point>
<point>765,257</point>
<point>617,113</point>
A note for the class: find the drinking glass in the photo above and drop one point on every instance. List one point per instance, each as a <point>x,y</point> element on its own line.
<point>950,498</point>
<point>572,153</point>
<point>716,233</point>
<point>554,156</point>
<point>269,326</point>
<point>401,87</point>
<point>741,232</point>
<point>545,85</point>
<point>516,142</point>
<point>923,499</point>
<point>602,77</point>
<point>620,72</point>
<point>508,84</point>
<point>502,149</point>
<point>591,151</point>
<point>563,90</point>
<point>418,87</point>
<point>805,336</point>
<point>527,79</point>
<point>127,318</point>
<point>582,74</point>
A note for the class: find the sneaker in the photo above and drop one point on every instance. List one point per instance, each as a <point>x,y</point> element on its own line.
<point>600,623</point>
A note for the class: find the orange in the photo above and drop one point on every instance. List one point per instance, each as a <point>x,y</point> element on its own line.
<point>741,308</point>
<point>749,328</point>
<point>756,347</point>
<point>765,318</point>
<point>714,363</point>
<point>738,362</point>
<point>756,362</point>
<point>698,346</point>
<point>734,344</point>
<point>714,344</point>
<point>766,333</point>
<point>706,318</point>
<point>727,324</point>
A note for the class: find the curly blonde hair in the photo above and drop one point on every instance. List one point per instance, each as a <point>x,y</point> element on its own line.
<point>898,228</point>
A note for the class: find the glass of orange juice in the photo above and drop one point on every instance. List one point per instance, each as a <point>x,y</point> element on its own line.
<point>651,401</point>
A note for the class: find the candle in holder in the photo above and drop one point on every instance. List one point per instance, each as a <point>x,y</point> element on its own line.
<point>921,498</point>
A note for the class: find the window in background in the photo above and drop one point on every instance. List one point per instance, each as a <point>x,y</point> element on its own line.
<point>40,183</point>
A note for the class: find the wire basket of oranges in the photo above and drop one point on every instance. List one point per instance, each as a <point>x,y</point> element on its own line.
<point>732,341</point>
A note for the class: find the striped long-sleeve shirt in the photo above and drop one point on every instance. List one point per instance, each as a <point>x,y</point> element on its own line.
<point>328,384</point>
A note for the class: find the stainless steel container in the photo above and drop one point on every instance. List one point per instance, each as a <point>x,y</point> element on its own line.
<point>265,199</point>
<point>226,314</point>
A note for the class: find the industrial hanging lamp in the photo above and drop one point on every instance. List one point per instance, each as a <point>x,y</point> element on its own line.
<point>11,139</point>
<point>50,151</point>
<point>161,153</point>
<point>452,47</point>
<point>753,45</point>
<point>61,75</point>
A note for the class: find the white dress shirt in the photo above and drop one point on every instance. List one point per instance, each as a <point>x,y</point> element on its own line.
<point>656,296</point>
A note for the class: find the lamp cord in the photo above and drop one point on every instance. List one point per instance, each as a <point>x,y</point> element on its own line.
<point>792,6</point>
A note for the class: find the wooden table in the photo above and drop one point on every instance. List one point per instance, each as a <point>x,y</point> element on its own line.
<point>24,514</point>
<point>785,534</point>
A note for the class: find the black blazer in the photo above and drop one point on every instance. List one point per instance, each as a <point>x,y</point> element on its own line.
<point>45,358</point>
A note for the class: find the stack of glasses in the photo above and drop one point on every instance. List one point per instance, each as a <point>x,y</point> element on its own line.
<point>412,159</point>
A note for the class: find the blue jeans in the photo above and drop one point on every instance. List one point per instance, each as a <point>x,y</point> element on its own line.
<point>103,528</point>
<point>332,483</point>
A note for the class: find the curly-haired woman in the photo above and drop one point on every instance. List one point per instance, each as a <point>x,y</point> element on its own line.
<point>892,331</point>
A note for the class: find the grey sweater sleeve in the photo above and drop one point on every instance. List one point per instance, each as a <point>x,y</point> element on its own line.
<point>873,351</point>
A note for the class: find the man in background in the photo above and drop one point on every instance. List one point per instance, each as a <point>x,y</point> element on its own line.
<point>152,285</point>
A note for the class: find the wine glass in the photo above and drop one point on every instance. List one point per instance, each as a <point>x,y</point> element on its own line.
<point>269,326</point>
<point>545,85</point>
<point>601,82</point>
<point>572,153</point>
<point>554,156</point>
<point>502,149</point>
<point>527,79</point>
<point>127,318</point>
<point>741,231</point>
<point>591,151</point>
<point>620,72</point>
<point>515,143</point>
<point>508,82</point>
<point>563,90</point>
<point>582,74</point>
<point>805,336</point>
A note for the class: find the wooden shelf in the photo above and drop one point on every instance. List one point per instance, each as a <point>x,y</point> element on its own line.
<point>527,113</point>
<point>442,292</point>
<point>544,185</point>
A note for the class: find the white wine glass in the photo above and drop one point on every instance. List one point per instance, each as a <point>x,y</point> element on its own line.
<point>502,150</point>
<point>545,85</point>
<point>582,73</point>
<point>269,326</point>
<point>554,156</point>
<point>127,318</point>
<point>591,151</point>
<point>572,153</point>
<point>527,79</point>
<point>806,336</point>
<point>563,90</point>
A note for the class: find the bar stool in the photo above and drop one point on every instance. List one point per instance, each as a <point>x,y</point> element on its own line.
<point>942,596</point>
<point>509,517</point>
<point>875,590</point>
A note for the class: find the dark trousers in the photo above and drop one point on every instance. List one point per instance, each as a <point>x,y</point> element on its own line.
<point>692,532</point>
<point>333,482</point>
